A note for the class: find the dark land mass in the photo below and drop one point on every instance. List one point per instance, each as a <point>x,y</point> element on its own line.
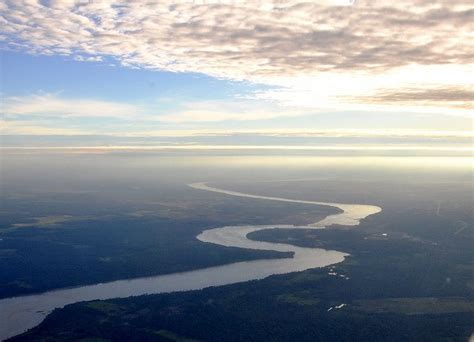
<point>71,239</point>
<point>409,278</point>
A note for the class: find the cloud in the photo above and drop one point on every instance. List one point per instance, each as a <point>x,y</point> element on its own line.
<point>454,97</point>
<point>436,89</point>
<point>215,111</point>
<point>15,127</point>
<point>248,39</point>
<point>47,105</point>
<point>31,128</point>
<point>51,106</point>
<point>286,43</point>
<point>80,58</point>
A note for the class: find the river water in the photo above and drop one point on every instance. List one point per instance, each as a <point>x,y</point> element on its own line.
<point>18,314</point>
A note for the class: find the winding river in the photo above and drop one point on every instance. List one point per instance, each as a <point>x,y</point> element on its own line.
<point>18,314</point>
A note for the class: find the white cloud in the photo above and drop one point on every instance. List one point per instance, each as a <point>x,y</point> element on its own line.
<point>323,56</point>
<point>53,105</point>
<point>38,127</point>
<point>308,133</point>
<point>248,39</point>
<point>80,58</point>
<point>445,89</point>
<point>29,128</point>
<point>215,111</point>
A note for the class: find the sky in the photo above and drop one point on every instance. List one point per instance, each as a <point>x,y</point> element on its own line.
<point>236,72</point>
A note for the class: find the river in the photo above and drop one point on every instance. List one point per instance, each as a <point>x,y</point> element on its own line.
<point>18,314</point>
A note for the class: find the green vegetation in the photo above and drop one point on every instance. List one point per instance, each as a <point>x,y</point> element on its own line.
<point>416,306</point>
<point>298,298</point>
<point>174,337</point>
<point>128,244</point>
<point>394,287</point>
<point>408,278</point>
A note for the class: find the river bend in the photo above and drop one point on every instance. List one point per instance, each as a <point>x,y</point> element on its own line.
<point>18,314</point>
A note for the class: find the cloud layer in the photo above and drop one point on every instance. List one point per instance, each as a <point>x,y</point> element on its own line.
<point>311,49</point>
<point>462,97</point>
<point>51,105</point>
<point>247,39</point>
<point>54,107</point>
